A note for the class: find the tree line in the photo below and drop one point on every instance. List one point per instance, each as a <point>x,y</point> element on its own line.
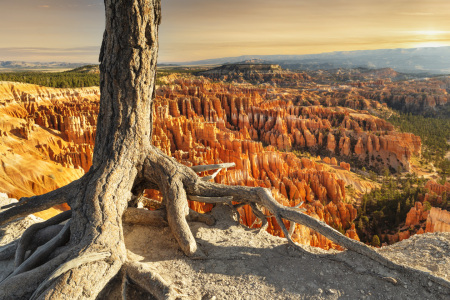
<point>383,209</point>
<point>69,79</point>
<point>435,135</point>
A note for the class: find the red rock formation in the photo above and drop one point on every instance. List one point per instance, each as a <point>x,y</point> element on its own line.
<point>438,220</point>
<point>416,215</point>
<point>437,188</point>
<point>36,157</point>
<point>345,166</point>
<point>200,122</point>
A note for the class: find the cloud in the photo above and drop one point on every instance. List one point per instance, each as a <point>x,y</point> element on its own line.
<point>44,6</point>
<point>41,54</point>
<point>416,14</point>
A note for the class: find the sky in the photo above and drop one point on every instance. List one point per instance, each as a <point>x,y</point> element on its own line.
<point>71,30</point>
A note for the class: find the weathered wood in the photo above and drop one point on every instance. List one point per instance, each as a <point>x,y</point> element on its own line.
<point>198,217</point>
<point>203,168</point>
<point>123,140</point>
<point>8,251</point>
<point>150,203</point>
<point>139,216</point>
<point>150,281</point>
<point>27,237</point>
<point>37,257</point>
<point>227,199</point>
<point>212,176</point>
<point>39,203</point>
<point>71,264</point>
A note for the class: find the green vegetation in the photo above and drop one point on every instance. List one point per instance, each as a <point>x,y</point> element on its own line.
<point>376,241</point>
<point>166,71</point>
<point>69,79</point>
<point>80,77</point>
<point>385,208</point>
<point>434,132</point>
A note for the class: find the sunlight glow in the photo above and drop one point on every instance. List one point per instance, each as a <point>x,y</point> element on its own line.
<point>431,32</point>
<point>431,44</point>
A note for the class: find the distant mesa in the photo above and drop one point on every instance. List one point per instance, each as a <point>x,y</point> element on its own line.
<point>254,61</point>
<point>89,69</point>
<point>254,65</point>
<point>433,60</point>
<point>256,71</point>
<point>13,66</point>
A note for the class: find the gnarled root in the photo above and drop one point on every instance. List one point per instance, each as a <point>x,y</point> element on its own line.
<point>22,286</point>
<point>38,234</point>
<point>198,217</point>
<point>177,212</point>
<point>44,251</point>
<point>39,203</point>
<point>71,264</point>
<point>139,216</point>
<point>8,251</point>
<point>177,184</point>
<point>148,280</point>
<point>263,197</point>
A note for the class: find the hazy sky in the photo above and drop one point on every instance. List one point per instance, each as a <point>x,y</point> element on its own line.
<point>71,30</point>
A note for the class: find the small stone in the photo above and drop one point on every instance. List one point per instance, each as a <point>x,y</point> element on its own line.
<point>208,296</point>
<point>430,283</point>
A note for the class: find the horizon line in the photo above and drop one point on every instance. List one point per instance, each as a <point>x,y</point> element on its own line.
<point>77,50</point>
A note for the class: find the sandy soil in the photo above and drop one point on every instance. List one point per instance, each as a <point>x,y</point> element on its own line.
<point>239,263</point>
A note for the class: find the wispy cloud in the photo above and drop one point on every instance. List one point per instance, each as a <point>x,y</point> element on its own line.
<point>416,13</point>
<point>44,6</point>
<point>41,54</point>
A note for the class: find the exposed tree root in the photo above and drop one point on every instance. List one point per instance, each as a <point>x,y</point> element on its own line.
<point>219,168</point>
<point>177,185</point>
<point>8,251</point>
<point>261,216</point>
<point>212,200</point>
<point>198,217</point>
<point>141,216</point>
<point>263,197</point>
<point>71,264</point>
<point>23,285</point>
<point>41,253</point>
<point>148,280</point>
<point>177,212</point>
<point>39,203</point>
<point>202,191</point>
<point>31,239</point>
<point>204,168</point>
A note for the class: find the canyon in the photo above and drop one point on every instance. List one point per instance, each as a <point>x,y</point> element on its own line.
<point>371,88</point>
<point>281,138</point>
<point>426,218</point>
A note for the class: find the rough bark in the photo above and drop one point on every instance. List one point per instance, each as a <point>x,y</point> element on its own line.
<point>124,163</point>
<point>128,64</point>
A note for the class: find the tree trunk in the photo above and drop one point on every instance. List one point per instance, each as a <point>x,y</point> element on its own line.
<point>127,71</point>
<point>127,77</point>
<point>124,163</point>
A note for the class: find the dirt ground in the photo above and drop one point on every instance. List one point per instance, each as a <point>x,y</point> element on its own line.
<point>240,263</point>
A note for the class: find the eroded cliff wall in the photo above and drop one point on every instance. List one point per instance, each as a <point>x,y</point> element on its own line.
<point>47,138</point>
